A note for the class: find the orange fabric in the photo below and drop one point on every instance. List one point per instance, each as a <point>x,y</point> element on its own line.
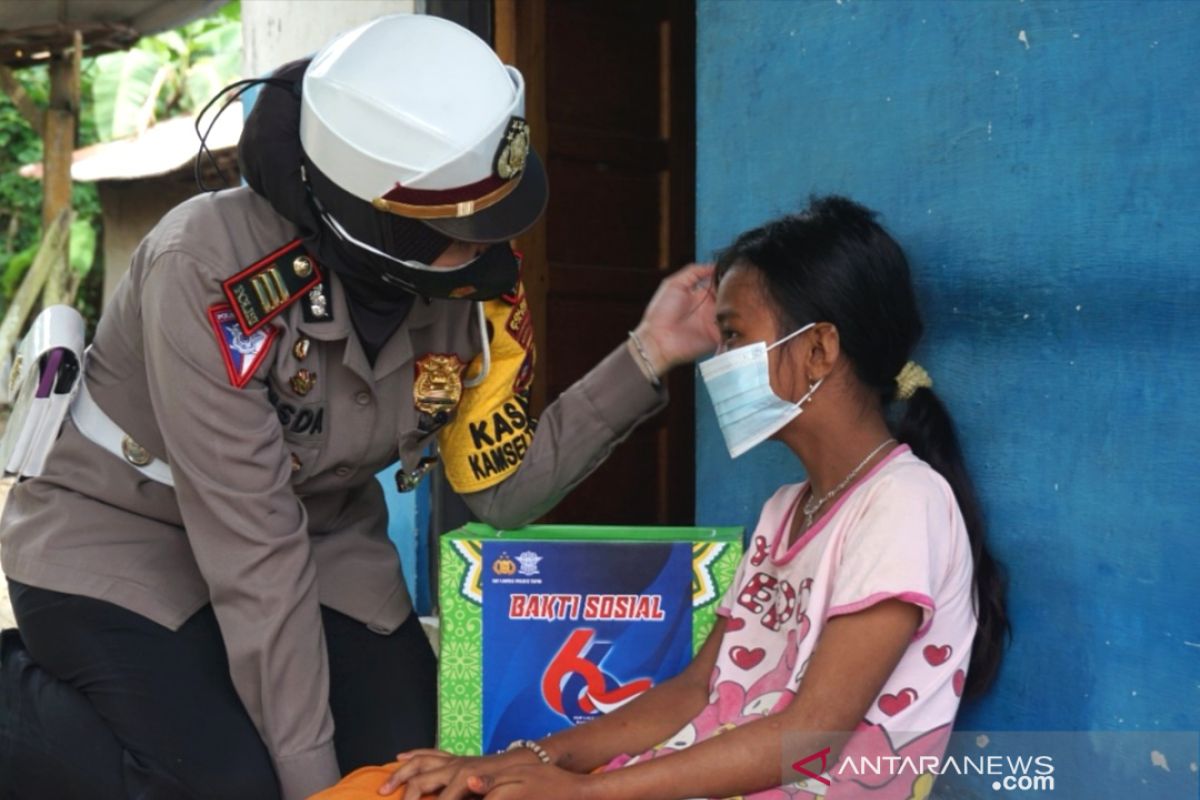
<point>363,784</point>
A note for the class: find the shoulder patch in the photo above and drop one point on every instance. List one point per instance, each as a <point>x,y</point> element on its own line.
<point>242,352</point>
<point>262,291</point>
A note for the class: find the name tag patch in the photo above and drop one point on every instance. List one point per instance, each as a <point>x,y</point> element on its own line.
<point>300,420</point>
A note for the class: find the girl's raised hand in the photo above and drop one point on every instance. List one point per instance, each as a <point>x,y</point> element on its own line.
<point>679,324</point>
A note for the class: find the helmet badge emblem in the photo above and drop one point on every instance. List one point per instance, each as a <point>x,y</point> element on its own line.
<point>513,150</point>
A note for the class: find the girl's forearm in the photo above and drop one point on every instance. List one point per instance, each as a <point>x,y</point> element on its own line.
<point>633,728</point>
<point>853,659</point>
<point>746,759</point>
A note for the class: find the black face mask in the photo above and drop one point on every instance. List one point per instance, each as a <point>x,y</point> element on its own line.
<point>394,252</point>
<point>493,273</point>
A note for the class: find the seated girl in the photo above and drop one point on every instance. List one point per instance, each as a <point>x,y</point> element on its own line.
<point>867,602</point>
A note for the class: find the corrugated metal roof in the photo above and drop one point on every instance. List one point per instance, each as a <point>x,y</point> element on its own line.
<point>162,149</point>
<point>30,31</point>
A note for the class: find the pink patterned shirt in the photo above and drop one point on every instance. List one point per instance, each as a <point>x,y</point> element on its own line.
<point>896,533</point>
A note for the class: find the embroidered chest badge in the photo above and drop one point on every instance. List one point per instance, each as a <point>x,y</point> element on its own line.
<point>242,352</point>
<point>438,385</point>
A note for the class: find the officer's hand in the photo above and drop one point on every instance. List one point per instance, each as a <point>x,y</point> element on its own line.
<point>430,771</point>
<point>679,324</point>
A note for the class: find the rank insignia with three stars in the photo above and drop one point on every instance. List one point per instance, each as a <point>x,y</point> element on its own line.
<point>265,289</point>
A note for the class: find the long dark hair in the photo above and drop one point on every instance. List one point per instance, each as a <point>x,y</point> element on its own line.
<point>834,263</point>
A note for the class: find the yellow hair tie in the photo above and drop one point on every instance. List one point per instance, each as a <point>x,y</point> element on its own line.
<point>911,378</point>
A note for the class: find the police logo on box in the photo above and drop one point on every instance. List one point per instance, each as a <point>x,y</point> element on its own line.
<point>504,565</point>
<point>529,563</point>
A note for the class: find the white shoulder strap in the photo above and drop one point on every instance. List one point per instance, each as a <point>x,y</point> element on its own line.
<point>486,367</point>
<point>100,429</point>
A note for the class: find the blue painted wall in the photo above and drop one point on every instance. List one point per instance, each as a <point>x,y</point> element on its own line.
<point>1040,163</point>
<point>408,518</point>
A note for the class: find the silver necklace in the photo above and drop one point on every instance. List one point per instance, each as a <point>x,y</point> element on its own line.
<point>812,504</point>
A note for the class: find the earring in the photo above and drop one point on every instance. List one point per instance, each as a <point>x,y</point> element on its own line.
<point>812,389</point>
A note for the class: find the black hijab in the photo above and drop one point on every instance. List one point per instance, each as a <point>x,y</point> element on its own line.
<point>274,165</point>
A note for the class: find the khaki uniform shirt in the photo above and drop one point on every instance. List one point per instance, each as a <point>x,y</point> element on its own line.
<point>275,508</point>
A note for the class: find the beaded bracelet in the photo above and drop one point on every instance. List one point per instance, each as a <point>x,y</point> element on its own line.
<point>529,744</point>
<point>646,365</point>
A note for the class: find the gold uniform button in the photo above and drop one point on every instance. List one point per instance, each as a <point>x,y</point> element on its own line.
<point>363,398</point>
<point>134,453</point>
<point>302,267</point>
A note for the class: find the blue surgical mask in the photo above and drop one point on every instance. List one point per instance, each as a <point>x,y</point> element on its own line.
<point>748,410</point>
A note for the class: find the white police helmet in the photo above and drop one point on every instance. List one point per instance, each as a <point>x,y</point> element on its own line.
<point>417,116</point>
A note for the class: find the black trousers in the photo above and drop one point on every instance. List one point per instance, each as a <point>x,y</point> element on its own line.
<point>98,702</point>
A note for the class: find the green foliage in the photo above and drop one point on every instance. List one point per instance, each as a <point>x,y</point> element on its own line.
<point>14,270</point>
<point>173,73</point>
<point>124,90</point>
<point>161,76</point>
<point>221,64</point>
<point>21,199</point>
<point>82,249</point>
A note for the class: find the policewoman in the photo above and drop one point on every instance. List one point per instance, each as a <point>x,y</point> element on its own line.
<point>208,600</point>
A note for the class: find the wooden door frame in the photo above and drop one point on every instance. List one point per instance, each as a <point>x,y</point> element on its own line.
<point>519,38</point>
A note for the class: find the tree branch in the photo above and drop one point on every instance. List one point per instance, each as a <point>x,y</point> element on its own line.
<point>24,103</point>
<point>53,250</point>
